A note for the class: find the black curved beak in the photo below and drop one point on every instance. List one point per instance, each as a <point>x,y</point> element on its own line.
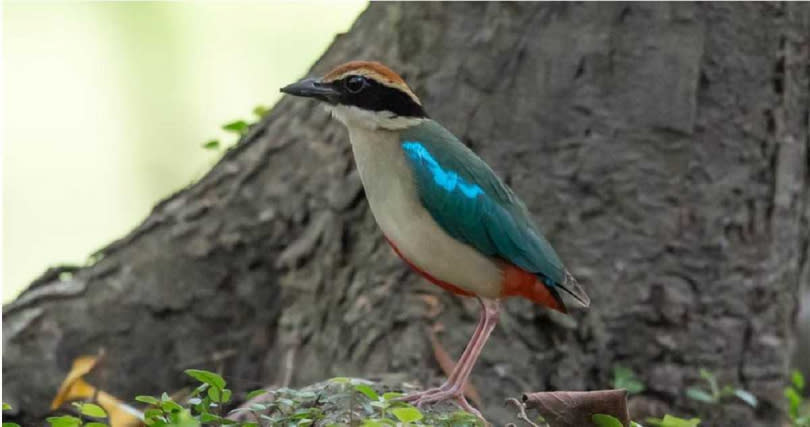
<point>312,88</point>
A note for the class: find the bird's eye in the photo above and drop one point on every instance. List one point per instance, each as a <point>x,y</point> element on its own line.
<point>355,84</point>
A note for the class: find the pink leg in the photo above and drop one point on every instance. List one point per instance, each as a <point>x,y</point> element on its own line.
<point>464,356</point>
<point>453,388</point>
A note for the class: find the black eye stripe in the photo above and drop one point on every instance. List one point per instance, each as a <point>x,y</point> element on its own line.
<point>375,96</point>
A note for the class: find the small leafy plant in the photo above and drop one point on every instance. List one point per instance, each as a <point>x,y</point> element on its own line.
<point>386,410</point>
<point>282,407</point>
<point>794,393</point>
<point>96,413</point>
<point>239,127</point>
<point>7,407</point>
<point>346,401</point>
<point>205,404</point>
<point>713,393</point>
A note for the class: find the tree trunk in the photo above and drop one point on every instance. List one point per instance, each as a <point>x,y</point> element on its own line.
<point>663,149</point>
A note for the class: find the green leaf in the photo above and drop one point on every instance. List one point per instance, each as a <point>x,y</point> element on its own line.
<point>219,396</point>
<point>706,374</point>
<point>391,395</point>
<point>149,400</point>
<point>746,397</point>
<point>632,386</point>
<point>407,414</point>
<point>6,406</point>
<point>286,402</point>
<point>214,394</point>
<point>238,126</point>
<point>625,378</point>
<point>464,418</point>
<point>672,421</point>
<point>302,413</point>
<point>211,145</point>
<point>725,391</point>
<point>604,420</point>
<point>700,395</point>
<point>152,414</point>
<point>208,418</point>
<point>258,407</point>
<point>368,391</point>
<point>206,377</point>
<point>797,379</point>
<point>255,393</point>
<point>378,422</point>
<point>95,424</point>
<point>711,379</point>
<point>794,401</point>
<point>183,419</point>
<point>260,110</point>
<point>621,372</point>
<point>64,421</point>
<point>92,410</point>
<point>15,425</point>
<point>306,395</point>
<point>340,380</point>
<point>170,406</point>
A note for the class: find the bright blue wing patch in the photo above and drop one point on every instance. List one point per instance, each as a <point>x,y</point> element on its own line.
<point>472,205</point>
<point>447,180</point>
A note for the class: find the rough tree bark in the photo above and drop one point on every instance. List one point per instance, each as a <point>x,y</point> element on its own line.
<point>662,147</point>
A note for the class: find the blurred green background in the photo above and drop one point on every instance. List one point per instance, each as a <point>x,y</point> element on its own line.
<point>106,106</point>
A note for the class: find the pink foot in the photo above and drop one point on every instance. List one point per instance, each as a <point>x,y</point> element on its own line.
<point>444,393</point>
<point>413,397</point>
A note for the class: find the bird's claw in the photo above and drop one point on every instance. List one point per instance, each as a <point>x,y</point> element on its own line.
<point>441,394</point>
<point>413,397</point>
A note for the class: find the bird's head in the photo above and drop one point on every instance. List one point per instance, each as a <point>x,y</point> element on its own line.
<point>364,93</point>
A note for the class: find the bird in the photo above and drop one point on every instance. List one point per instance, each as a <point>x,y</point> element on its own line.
<point>441,208</point>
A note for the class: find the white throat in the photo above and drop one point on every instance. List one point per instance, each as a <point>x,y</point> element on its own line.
<point>352,116</point>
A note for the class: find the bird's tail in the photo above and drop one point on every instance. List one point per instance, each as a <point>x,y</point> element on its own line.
<point>520,283</point>
<point>572,287</point>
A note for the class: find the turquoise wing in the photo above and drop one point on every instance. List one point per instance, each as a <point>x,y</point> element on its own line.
<point>472,205</point>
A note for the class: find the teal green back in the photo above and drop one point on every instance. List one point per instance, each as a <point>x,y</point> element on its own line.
<point>472,205</point>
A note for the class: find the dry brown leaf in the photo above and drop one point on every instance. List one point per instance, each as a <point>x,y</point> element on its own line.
<point>576,408</point>
<point>74,387</point>
<point>73,384</point>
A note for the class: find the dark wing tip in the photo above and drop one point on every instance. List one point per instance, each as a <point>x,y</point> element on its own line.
<point>572,287</point>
